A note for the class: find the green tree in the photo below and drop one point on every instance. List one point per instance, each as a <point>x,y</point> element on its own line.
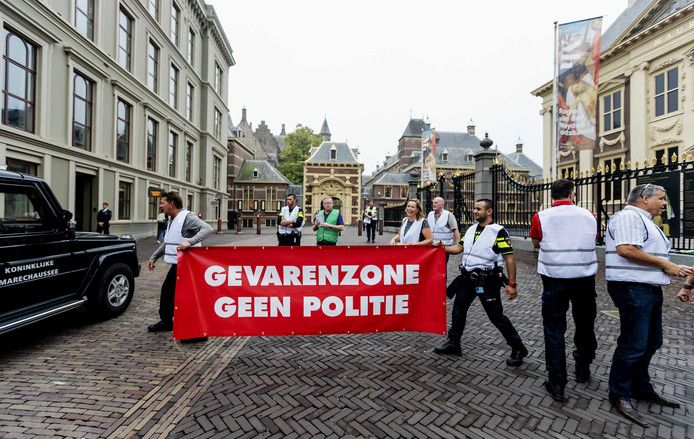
<point>298,144</point>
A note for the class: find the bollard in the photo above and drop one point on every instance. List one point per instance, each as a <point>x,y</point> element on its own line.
<point>257,224</point>
<point>238,225</point>
<point>360,226</point>
<point>219,225</point>
<point>380,227</point>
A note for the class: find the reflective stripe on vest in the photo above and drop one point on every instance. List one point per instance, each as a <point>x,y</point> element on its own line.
<point>567,248</point>
<point>439,228</point>
<point>325,234</point>
<point>412,235</point>
<point>291,216</point>
<point>479,254</point>
<point>174,237</point>
<point>621,269</point>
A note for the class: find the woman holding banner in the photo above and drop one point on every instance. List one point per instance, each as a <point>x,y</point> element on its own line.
<point>415,229</point>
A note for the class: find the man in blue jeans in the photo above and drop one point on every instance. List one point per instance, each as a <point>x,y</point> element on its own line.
<point>637,264</point>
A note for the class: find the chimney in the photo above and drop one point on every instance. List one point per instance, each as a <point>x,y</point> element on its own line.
<point>283,133</point>
<point>471,128</point>
<point>519,146</point>
<point>243,114</point>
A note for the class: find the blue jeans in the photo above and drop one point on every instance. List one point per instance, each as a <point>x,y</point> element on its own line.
<point>641,335</point>
<point>556,296</point>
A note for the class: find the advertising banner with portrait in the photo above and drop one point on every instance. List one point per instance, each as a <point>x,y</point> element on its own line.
<point>578,60</point>
<point>239,291</point>
<point>669,219</point>
<point>428,157</point>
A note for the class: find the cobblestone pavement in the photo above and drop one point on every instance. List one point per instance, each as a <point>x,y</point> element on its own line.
<point>72,376</point>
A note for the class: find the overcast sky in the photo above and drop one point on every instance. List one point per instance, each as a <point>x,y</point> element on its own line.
<point>369,65</point>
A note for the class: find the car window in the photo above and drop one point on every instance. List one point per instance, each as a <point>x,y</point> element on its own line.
<point>22,211</point>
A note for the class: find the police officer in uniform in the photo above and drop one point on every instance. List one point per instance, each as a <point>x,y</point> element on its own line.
<point>481,246</point>
<point>184,230</point>
<point>565,235</point>
<point>289,222</point>
<point>370,222</point>
<point>637,265</point>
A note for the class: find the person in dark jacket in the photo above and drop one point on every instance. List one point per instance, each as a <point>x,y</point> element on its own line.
<point>103,219</point>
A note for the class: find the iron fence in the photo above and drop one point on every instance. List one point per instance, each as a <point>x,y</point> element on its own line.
<point>602,192</point>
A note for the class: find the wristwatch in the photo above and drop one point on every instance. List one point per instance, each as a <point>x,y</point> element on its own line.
<point>512,284</point>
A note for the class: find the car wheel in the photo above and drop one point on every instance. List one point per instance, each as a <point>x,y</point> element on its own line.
<point>114,291</point>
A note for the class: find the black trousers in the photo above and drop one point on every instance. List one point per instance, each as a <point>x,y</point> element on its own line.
<point>491,301</point>
<point>557,295</point>
<point>289,239</point>
<point>102,229</point>
<point>166,299</point>
<point>371,230</point>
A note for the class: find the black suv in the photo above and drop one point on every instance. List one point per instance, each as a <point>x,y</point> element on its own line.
<point>47,268</point>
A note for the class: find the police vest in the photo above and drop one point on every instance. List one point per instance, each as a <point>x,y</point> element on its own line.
<point>567,248</point>
<point>174,237</point>
<point>370,215</point>
<point>293,215</point>
<point>325,234</point>
<point>412,235</point>
<point>479,254</point>
<point>439,228</point>
<point>655,243</point>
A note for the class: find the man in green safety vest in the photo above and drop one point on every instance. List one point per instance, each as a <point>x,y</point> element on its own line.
<point>328,223</point>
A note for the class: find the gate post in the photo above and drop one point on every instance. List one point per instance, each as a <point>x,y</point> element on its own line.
<point>483,175</point>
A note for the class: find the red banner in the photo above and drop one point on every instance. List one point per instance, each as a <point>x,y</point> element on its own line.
<point>238,291</point>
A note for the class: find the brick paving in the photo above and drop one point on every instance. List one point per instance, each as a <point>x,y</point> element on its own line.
<point>72,376</point>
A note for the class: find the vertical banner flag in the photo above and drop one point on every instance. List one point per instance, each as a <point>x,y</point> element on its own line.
<point>428,157</point>
<point>238,291</point>
<point>578,61</point>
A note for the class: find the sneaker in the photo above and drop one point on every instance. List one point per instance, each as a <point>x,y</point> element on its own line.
<point>449,347</point>
<point>517,355</point>
<point>160,327</point>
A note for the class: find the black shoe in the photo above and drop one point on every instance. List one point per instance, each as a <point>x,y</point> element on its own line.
<point>449,347</point>
<point>194,340</point>
<point>517,355</point>
<point>582,372</point>
<point>555,391</point>
<point>654,398</point>
<point>160,327</point>
<point>626,409</point>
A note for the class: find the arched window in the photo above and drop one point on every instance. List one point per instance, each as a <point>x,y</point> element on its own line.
<point>20,82</point>
<point>81,112</point>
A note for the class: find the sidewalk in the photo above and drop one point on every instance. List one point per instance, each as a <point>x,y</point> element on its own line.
<point>75,377</point>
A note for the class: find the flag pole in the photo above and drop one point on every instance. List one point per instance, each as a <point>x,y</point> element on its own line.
<point>555,105</point>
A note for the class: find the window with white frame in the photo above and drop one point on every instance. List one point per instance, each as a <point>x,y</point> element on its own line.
<point>153,8</point>
<point>18,91</point>
<point>667,92</point>
<point>217,172</point>
<point>175,19</point>
<point>123,115</point>
<point>217,78</point>
<point>173,146</point>
<point>190,90</point>
<point>613,184</point>
<point>125,36</point>
<point>82,94</point>
<point>191,46</point>
<point>612,111</point>
<point>217,123</point>
<point>188,165</point>
<point>152,66</point>
<point>84,18</point>
<point>152,134</point>
<point>173,86</point>
<point>124,200</point>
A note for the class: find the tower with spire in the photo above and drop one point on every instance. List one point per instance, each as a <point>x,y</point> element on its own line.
<point>325,131</point>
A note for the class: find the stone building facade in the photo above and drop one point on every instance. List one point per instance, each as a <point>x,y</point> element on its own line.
<point>109,100</point>
<point>645,91</point>
<point>333,169</point>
